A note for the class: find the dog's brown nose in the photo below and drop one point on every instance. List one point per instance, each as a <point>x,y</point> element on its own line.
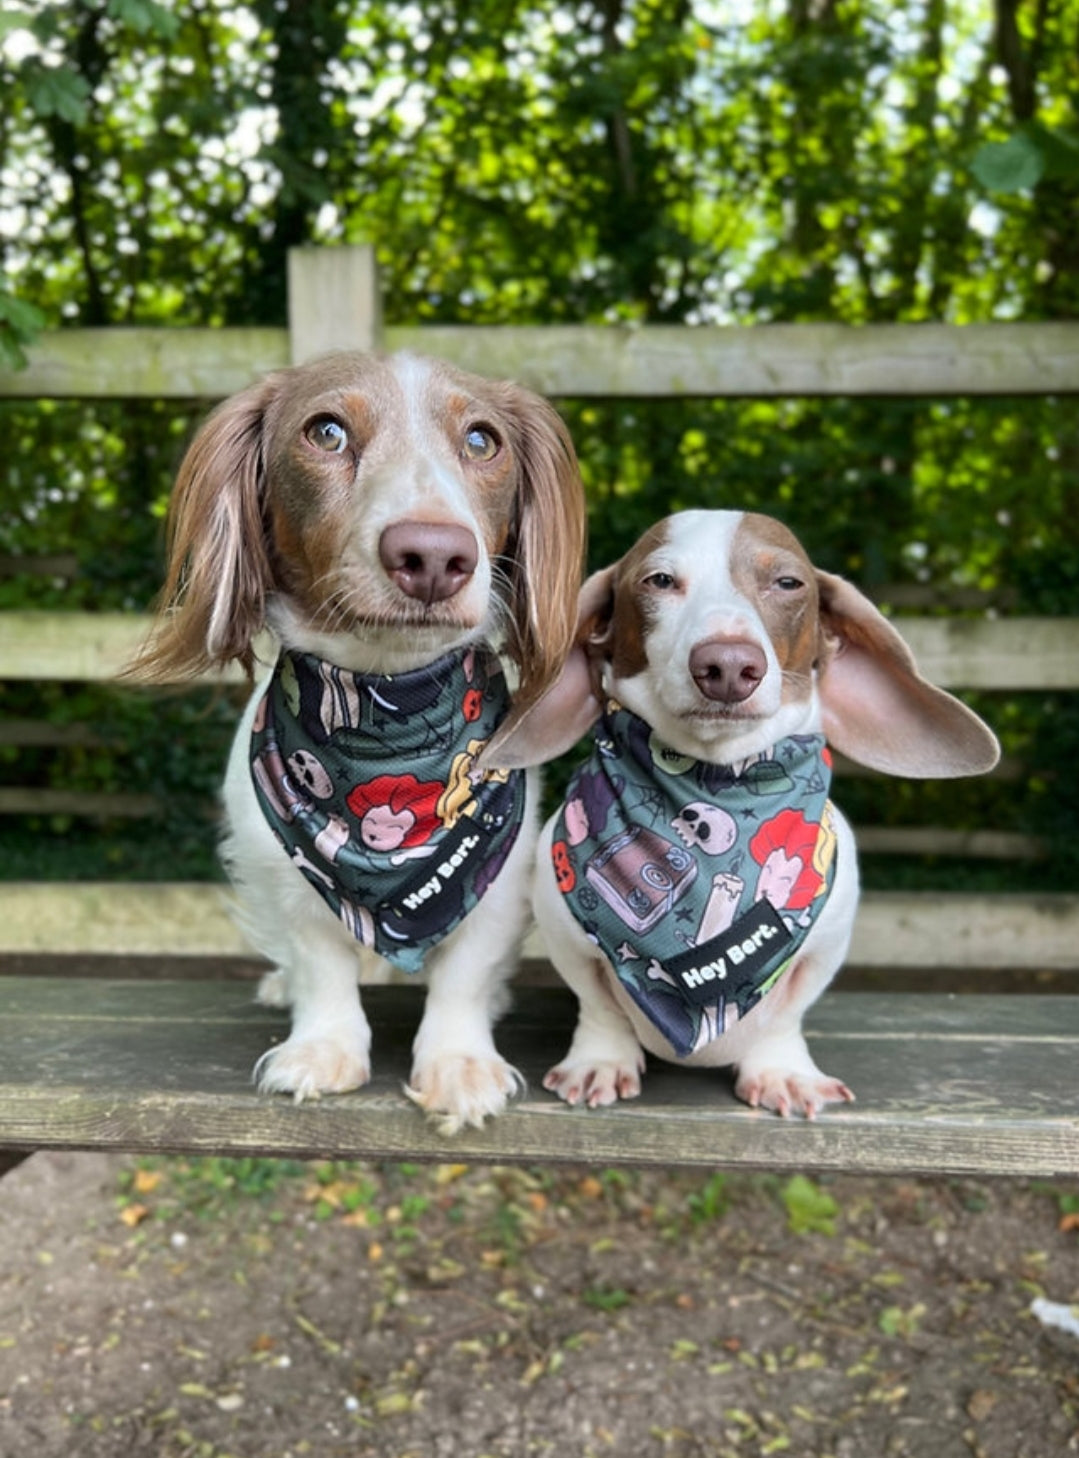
<point>727,670</point>
<point>428,560</point>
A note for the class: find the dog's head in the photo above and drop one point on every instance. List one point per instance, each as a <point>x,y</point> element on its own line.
<point>718,631</point>
<point>377,511</point>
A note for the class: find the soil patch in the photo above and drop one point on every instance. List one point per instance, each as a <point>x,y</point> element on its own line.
<point>260,1309</point>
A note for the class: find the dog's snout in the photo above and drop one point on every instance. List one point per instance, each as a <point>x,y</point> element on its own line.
<point>429,561</point>
<point>727,670</point>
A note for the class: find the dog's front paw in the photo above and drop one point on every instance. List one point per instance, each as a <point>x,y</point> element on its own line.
<point>459,1089</point>
<point>604,1064</point>
<point>596,1081</point>
<point>788,1093</point>
<point>307,1067</point>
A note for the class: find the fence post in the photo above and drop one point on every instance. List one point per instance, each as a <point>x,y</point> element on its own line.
<point>333,301</point>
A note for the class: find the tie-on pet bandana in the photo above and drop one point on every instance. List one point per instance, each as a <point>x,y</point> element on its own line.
<point>699,881</point>
<point>369,783</point>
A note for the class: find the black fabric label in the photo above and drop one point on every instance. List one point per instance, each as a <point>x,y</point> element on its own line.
<point>735,960</point>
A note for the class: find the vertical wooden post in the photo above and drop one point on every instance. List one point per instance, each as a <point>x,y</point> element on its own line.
<point>333,301</point>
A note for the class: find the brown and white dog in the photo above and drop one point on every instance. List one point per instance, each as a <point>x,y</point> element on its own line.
<point>720,641</point>
<point>377,513</point>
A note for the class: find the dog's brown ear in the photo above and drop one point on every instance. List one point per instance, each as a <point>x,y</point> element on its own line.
<point>541,731</point>
<point>877,707</point>
<point>219,572</point>
<point>548,551</point>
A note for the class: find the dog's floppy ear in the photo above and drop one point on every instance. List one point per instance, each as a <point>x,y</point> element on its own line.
<point>212,604</point>
<point>565,713</point>
<point>877,707</point>
<point>547,554</point>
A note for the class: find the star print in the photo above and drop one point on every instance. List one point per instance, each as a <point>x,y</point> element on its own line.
<point>626,953</point>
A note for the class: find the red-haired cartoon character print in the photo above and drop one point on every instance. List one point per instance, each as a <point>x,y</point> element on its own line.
<point>396,812</point>
<point>794,855</point>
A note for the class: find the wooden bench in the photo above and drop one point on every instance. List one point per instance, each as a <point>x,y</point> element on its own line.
<point>126,1015</point>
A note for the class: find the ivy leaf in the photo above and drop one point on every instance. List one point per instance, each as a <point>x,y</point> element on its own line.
<point>1011,166</point>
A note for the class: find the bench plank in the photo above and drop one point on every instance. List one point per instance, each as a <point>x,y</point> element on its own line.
<point>959,1085</point>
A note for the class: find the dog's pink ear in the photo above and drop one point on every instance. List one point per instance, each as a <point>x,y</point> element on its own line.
<point>877,707</point>
<point>554,723</point>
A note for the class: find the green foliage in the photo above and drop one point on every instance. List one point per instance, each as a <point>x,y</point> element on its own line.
<point>19,325</point>
<point>809,1208</point>
<point>711,1202</point>
<point>606,1298</point>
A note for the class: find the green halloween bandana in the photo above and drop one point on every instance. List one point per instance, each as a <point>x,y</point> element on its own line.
<point>698,881</point>
<point>370,785</point>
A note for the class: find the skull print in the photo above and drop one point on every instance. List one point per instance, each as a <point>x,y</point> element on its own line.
<point>309,774</point>
<point>705,827</point>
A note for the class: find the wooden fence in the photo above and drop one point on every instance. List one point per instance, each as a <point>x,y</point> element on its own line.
<point>334,303</point>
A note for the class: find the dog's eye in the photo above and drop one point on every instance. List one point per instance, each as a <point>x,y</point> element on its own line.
<point>789,584</point>
<point>662,581</point>
<point>327,434</point>
<point>481,443</point>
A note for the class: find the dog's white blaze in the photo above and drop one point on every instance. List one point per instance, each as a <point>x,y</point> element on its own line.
<point>432,480</point>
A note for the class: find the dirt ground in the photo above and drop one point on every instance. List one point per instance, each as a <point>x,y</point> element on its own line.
<point>264,1310</point>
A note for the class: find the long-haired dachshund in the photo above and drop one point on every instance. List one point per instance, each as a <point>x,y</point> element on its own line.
<point>413,536</point>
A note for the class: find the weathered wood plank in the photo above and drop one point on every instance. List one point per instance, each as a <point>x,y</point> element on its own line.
<point>80,647</point>
<point>333,301</point>
<point>908,929</point>
<point>936,840</point>
<point>973,653</point>
<point>42,734</point>
<point>893,929</point>
<point>92,804</point>
<point>105,918</point>
<point>767,360</point>
<point>995,653</point>
<point>119,363</point>
<point>963,1086</point>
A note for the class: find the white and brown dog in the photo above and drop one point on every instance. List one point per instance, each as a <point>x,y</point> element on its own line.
<point>697,889</point>
<point>391,520</point>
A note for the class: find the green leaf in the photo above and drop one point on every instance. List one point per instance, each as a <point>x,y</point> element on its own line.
<point>146,17</point>
<point>1011,166</point>
<point>809,1208</point>
<point>19,325</point>
<point>57,91</point>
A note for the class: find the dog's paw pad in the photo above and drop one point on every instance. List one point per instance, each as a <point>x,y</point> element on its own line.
<point>463,1089</point>
<point>306,1068</point>
<point>791,1093</point>
<point>596,1083</point>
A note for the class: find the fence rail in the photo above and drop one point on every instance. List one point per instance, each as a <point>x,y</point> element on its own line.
<point>764,361</point>
<point>971,653</point>
<point>334,303</point>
